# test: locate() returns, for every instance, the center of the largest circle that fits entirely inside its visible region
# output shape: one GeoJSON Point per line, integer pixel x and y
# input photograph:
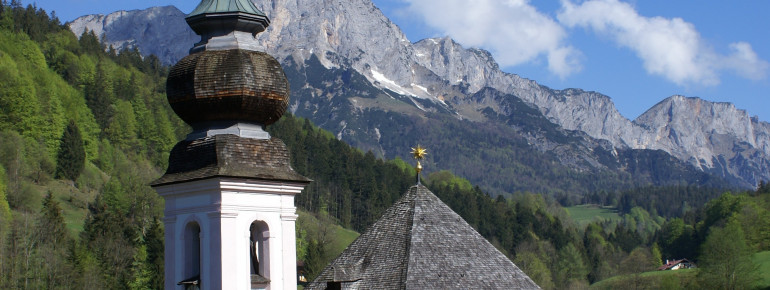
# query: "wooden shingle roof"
{"type": "Point", "coordinates": [420, 243]}
{"type": "Point", "coordinates": [222, 85]}
{"type": "Point", "coordinates": [229, 156]}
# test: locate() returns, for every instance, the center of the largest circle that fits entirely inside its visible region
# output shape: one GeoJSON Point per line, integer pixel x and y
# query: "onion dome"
{"type": "Point", "coordinates": [226, 86]}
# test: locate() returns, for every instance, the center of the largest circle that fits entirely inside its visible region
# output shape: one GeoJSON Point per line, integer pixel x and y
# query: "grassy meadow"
{"type": "Point", "coordinates": [586, 213]}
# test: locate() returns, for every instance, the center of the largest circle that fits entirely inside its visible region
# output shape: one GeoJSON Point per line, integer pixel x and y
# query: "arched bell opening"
{"type": "Point", "coordinates": [259, 252]}
{"type": "Point", "coordinates": [192, 256]}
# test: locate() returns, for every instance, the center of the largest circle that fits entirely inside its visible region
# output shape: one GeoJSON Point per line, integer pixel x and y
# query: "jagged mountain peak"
{"type": "Point", "coordinates": [346, 29]}
{"type": "Point", "coordinates": [448, 44]}
{"type": "Point", "coordinates": [456, 64]}
{"type": "Point", "coordinates": [708, 133]}
{"type": "Point", "coordinates": [709, 117]}
{"type": "Point", "coordinates": [355, 35]}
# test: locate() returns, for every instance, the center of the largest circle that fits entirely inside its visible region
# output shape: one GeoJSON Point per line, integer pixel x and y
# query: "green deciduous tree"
{"type": "Point", "coordinates": [14, 158]}
{"type": "Point", "coordinates": [19, 105]}
{"type": "Point", "coordinates": [40, 164]}
{"type": "Point", "coordinates": [755, 222]}
{"type": "Point", "coordinates": [725, 260]}
{"type": "Point", "coordinates": [18, 271]}
{"type": "Point", "coordinates": [638, 261]}
{"type": "Point", "coordinates": [677, 240]}
{"type": "Point", "coordinates": [536, 268]}
{"type": "Point", "coordinates": [657, 257]}
{"type": "Point", "coordinates": [122, 127]}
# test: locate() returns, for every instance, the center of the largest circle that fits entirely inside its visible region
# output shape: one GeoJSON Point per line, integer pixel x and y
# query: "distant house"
{"type": "Point", "coordinates": [676, 265]}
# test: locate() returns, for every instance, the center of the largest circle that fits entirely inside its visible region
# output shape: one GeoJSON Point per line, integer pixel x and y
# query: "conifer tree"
{"type": "Point", "coordinates": [100, 94]}
{"type": "Point", "coordinates": [51, 224]}
{"type": "Point", "coordinates": [764, 187]}
{"type": "Point", "coordinates": [51, 234]}
{"type": "Point", "coordinates": [154, 241]}
{"type": "Point", "coordinates": [72, 155]}
{"type": "Point", "coordinates": [110, 235]}
{"type": "Point", "coordinates": [571, 270]}
{"type": "Point", "coordinates": [89, 43]}
{"type": "Point", "coordinates": [314, 260]}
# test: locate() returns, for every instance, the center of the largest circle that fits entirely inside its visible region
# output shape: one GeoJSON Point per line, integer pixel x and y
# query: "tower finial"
{"type": "Point", "coordinates": [419, 153]}
{"type": "Point", "coordinates": [227, 24]}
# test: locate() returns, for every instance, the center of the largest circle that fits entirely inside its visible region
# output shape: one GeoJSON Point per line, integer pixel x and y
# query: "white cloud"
{"type": "Point", "coordinates": [513, 30]}
{"type": "Point", "coordinates": [671, 48]}
{"type": "Point", "coordinates": [745, 62]}
{"type": "Point", "coordinates": [564, 61]}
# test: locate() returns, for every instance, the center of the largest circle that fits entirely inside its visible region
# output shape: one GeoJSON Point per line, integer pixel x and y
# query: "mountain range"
{"type": "Point", "coordinates": [354, 73]}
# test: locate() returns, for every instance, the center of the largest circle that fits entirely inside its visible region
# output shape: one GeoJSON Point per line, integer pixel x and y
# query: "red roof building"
{"type": "Point", "coordinates": [676, 265]}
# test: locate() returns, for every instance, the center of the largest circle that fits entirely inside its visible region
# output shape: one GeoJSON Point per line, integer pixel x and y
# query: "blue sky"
{"type": "Point", "coordinates": [636, 52]}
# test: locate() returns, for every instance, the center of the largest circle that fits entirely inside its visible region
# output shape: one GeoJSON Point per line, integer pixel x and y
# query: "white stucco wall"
{"type": "Point", "coordinates": [225, 208]}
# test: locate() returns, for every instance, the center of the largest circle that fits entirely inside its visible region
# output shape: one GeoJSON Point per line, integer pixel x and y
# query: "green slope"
{"type": "Point", "coordinates": [763, 260]}
{"type": "Point", "coordinates": [588, 213]}
{"type": "Point", "coordinates": [680, 279]}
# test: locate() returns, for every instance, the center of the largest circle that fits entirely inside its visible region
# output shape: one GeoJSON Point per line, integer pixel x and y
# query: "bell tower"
{"type": "Point", "coordinates": [229, 187]}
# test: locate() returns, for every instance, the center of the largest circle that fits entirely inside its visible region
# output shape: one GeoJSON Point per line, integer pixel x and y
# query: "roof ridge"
{"type": "Point", "coordinates": [409, 197]}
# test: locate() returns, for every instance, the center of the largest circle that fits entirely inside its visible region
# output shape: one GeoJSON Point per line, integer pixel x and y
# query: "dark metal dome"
{"type": "Point", "coordinates": [228, 85]}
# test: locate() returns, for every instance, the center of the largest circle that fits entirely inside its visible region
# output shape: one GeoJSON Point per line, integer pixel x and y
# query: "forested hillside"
{"type": "Point", "coordinates": [82, 133]}
{"type": "Point", "coordinates": [84, 130]}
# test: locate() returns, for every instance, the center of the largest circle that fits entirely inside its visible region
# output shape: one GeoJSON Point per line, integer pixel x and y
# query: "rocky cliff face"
{"type": "Point", "coordinates": [715, 137]}
{"type": "Point", "coordinates": [161, 31]}
{"type": "Point", "coordinates": [337, 32]}
{"type": "Point", "coordinates": [355, 35]}
{"type": "Point", "coordinates": [712, 136]}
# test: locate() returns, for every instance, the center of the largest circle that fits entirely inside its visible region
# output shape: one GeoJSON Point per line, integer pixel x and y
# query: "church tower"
{"type": "Point", "coordinates": [229, 187]}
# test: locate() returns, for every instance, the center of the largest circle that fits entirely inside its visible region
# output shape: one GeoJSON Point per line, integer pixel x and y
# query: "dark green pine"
{"type": "Point", "coordinates": [70, 161]}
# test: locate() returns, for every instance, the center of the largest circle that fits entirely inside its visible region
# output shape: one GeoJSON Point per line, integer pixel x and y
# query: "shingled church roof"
{"type": "Point", "coordinates": [420, 243]}
{"type": "Point", "coordinates": [228, 155]}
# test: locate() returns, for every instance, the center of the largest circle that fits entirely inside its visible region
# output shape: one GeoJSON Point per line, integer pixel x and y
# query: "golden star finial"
{"type": "Point", "coordinates": [419, 152]}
